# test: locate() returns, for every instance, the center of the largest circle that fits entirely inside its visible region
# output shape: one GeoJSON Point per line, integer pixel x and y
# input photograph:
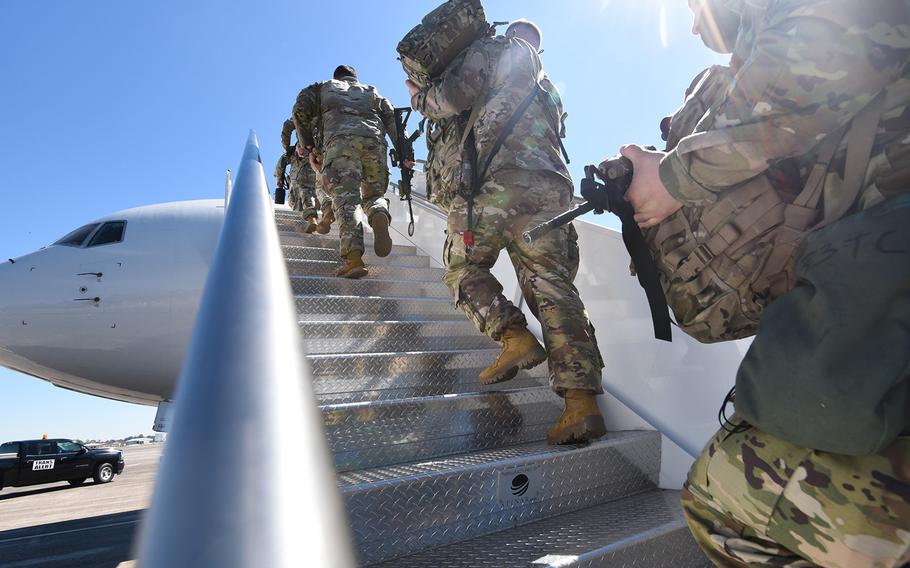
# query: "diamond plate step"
{"type": "Point", "coordinates": [314, 239]}
{"type": "Point", "coordinates": [391, 336]}
{"type": "Point", "coordinates": [399, 510]}
{"type": "Point", "coordinates": [358, 377]}
{"type": "Point", "coordinates": [374, 308]}
{"type": "Point", "coordinates": [331, 254]}
{"type": "Point", "coordinates": [333, 286]}
{"type": "Point", "coordinates": [328, 241]}
{"type": "Point", "coordinates": [643, 531]}
{"type": "Point", "coordinates": [371, 434]}
{"type": "Point", "coordinates": [380, 271]}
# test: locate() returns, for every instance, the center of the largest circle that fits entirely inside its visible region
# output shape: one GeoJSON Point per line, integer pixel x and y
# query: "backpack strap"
{"type": "Point", "coordinates": [860, 139]}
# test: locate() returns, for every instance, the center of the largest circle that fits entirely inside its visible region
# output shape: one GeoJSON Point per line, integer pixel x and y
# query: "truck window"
{"type": "Point", "coordinates": [9, 449]}
{"type": "Point", "coordinates": [42, 448]}
{"type": "Point", "coordinates": [64, 447]}
{"type": "Point", "coordinates": [110, 232]}
{"type": "Point", "coordinates": [77, 237]}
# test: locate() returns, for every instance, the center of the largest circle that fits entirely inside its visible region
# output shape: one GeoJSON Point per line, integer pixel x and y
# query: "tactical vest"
{"type": "Point", "coordinates": [444, 154]}
{"type": "Point", "coordinates": [722, 263]}
{"type": "Point", "coordinates": [349, 108]}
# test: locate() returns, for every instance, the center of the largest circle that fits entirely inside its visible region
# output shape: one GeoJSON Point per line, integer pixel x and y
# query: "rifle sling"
{"type": "Point", "coordinates": [646, 271]}
{"type": "Point", "coordinates": [536, 90]}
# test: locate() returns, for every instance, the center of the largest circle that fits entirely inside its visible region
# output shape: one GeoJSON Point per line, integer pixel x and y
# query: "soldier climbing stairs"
{"type": "Point", "coordinates": [437, 470]}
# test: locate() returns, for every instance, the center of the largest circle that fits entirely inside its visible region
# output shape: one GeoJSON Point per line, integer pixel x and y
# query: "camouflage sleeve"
{"type": "Point", "coordinates": [458, 87]}
{"type": "Point", "coordinates": [280, 167]}
{"type": "Point", "coordinates": [286, 130]}
{"type": "Point", "coordinates": [813, 67]}
{"type": "Point", "coordinates": [305, 109]}
{"type": "Point", "coordinates": [387, 115]}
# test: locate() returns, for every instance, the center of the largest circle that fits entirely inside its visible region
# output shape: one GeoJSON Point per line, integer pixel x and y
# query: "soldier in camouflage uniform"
{"type": "Point", "coordinates": [800, 70]}
{"type": "Point", "coordinates": [354, 120]}
{"type": "Point", "coordinates": [526, 183]}
{"type": "Point", "coordinates": [306, 193]}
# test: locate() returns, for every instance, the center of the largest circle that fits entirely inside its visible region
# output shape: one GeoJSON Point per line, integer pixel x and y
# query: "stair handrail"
{"type": "Point", "coordinates": [246, 477]}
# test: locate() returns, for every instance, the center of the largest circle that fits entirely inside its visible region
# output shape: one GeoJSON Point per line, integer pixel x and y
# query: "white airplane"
{"type": "Point", "coordinates": [109, 308]}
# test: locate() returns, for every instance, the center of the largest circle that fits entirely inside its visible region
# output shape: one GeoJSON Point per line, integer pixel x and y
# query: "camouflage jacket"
{"type": "Point", "coordinates": [286, 129]}
{"type": "Point", "coordinates": [493, 77]}
{"type": "Point", "coordinates": [341, 109]}
{"type": "Point", "coordinates": [800, 70]}
{"type": "Point", "coordinates": [301, 173]}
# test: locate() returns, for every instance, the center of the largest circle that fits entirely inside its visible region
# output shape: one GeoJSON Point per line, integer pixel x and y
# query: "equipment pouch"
{"type": "Point", "coordinates": [830, 368]}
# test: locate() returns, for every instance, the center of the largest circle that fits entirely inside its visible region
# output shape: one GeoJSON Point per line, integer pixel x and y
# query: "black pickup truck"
{"type": "Point", "coordinates": [31, 462]}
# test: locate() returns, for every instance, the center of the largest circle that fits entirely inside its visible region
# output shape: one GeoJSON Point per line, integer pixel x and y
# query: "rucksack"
{"type": "Point", "coordinates": [830, 369]}
{"type": "Point", "coordinates": [431, 45]}
{"type": "Point", "coordinates": [721, 264]}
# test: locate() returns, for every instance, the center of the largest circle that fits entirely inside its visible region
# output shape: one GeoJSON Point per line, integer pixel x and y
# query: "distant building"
{"type": "Point", "coordinates": [138, 441]}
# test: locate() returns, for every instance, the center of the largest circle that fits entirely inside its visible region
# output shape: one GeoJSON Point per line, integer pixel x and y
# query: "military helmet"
{"type": "Point", "coordinates": [344, 71]}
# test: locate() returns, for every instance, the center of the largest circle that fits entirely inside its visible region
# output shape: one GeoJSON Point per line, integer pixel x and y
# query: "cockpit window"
{"type": "Point", "coordinates": [77, 237]}
{"type": "Point", "coordinates": [110, 232]}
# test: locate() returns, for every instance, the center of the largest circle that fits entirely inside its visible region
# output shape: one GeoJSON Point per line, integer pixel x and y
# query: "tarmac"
{"type": "Point", "coordinates": [92, 526]}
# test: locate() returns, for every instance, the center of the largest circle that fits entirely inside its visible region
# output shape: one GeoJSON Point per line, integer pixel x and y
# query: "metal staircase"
{"type": "Point", "coordinates": [436, 470]}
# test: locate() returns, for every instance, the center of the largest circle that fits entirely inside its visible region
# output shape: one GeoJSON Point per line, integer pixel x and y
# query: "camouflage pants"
{"type": "Point", "coordinates": [545, 270]}
{"type": "Point", "coordinates": [302, 198]}
{"type": "Point", "coordinates": [755, 500]}
{"type": "Point", "coordinates": [355, 174]}
{"type": "Point", "coordinates": [317, 201]}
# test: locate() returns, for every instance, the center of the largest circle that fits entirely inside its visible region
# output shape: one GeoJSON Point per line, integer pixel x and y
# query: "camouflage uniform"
{"type": "Point", "coordinates": [302, 181]}
{"type": "Point", "coordinates": [353, 120]}
{"type": "Point", "coordinates": [527, 182]}
{"type": "Point", "coordinates": [756, 500]}
{"type": "Point", "coordinates": [800, 70]}
{"type": "Point", "coordinates": [309, 195]}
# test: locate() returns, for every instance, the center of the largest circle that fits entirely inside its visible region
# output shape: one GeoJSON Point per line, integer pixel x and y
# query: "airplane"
{"type": "Point", "coordinates": [108, 308]}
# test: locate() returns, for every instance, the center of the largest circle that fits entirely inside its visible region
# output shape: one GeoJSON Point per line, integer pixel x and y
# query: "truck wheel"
{"type": "Point", "coordinates": [104, 473]}
{"type": "Point", "coordinates": [76, 482]}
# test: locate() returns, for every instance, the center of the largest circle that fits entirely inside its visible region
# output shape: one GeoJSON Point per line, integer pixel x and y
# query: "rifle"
{"type": "Point", "coordinates": [608, 194]}
{"type": "Point", "coordinates": [403, 151]}
{"type": "Point", "coordinates": [280, 192]}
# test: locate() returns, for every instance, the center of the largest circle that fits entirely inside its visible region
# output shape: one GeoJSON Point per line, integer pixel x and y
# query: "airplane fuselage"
{"type": "Point", "coordinates": [114, 318]}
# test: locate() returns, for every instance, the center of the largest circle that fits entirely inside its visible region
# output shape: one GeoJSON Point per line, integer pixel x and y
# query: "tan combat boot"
{"type": "Point", "coordinates": [328, 217]}
{"type": "Point", "coordinates": [353, 266]}
{"type": "Point", "coordinates": [581, 421]}
{"type": "Point", "coordinates": [520, 350]}
{"type": "Point", "coordinates": [382, 241]}
{"type": "Point", "coordinates": [311, 225]}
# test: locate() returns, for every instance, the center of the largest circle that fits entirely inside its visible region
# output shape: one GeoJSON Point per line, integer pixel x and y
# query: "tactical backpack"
{"type": "Point", "coordinates": [720, 264]}
{"type": "Point", "coordinates": [431, 45]}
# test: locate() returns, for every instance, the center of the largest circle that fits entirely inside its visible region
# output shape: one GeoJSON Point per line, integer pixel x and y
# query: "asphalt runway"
{"type": "Point", "coordinates": [92, 526]}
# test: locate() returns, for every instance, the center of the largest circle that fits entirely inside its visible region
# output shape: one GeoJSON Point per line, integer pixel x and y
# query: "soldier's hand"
{"type": "Point", "coordinates": [647, 194]}
{"type": "Point", "coordinates": [409, 164]}
{"type": "Point", "coordinates": [413, 88]}
{"type": "Point", "coordinates": [301, 151]}
{"type": "Point", "coordinates": [314, 163]}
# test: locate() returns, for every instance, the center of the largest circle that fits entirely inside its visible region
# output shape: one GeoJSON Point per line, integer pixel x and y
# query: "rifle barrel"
{"type": "Point", "coordinates": [540, 230]}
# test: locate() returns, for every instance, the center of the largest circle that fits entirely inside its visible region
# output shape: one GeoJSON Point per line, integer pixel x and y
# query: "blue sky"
{"type": "Point", "coordinates": [109, 104]}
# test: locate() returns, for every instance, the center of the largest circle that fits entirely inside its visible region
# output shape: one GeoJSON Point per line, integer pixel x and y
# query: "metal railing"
{"type": "Point", "coordinates": [246, 478]}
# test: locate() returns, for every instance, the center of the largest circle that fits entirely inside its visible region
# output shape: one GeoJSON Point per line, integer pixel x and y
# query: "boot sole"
{"type": "Point", "coordinates": [382, 245]}
{"type": "Point", "coordinates": [510, 373]}
{"type": "Point", "coordinates": [323, 229]}
{"type": "Point", "coordinates": [587, 429]}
